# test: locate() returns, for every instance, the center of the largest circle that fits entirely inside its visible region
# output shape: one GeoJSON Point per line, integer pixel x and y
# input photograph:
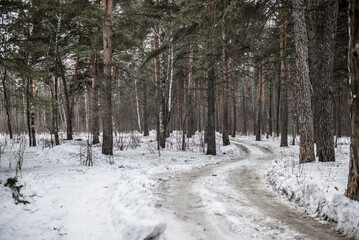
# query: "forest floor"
{"type": "Point", "coordinates": [242, 193]}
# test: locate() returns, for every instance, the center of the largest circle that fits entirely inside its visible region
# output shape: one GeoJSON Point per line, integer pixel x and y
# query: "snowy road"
{"type": "Point", "coordinates": [232, 201]}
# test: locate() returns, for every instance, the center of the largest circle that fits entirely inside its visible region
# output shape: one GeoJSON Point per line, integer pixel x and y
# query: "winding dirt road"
{"type": "Point", "coordinates": [232, 201]}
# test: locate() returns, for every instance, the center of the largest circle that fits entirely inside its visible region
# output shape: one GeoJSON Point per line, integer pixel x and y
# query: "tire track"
{"type": "Point", "coordinates": [232, 201]}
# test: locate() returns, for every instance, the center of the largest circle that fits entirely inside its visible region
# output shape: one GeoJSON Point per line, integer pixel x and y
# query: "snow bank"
{"type": "Point", "coordinates": [318, 187]}
{"type": "Point", "coordinates": [72, 201]}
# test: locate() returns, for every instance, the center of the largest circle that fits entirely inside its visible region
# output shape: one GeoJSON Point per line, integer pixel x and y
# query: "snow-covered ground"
{"type": "Point", "coordinates": [128, 199]}
{"type": "Point", "coordinates": [317, 187]}
{"type": "Point", "coordinates": [72, 201]}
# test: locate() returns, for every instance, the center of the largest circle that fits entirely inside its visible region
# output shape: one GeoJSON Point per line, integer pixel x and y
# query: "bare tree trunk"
{"type": "Point", "coordinates": [74, 89]}
{"type": "Point", "coordinates": [313, 54]}
{"type": "Point", "coordinates": [325, 138]}
{"type": "Point", "coordinates": [157, 82]}
{"type": "Point", "coordinates": [234, 99]}
{"type": "Point", "coordinates": [225, 135]}
{"type": "Point", "coordinates": [171, 74]}
{"type": "Point", "coordinates": [259, 107]}
{"type": "Point", "coordinates": [353, 63]}
{"type": "Point", "coordinates": [32, 112]}
{"type": "Point", "coordinates": [306, 153]}
{"type": "Point", "coordinates": [67, 100]}
{"type": "Point", "coordinates": [162, 93]}
{"type": "Point", "coordinates": [191, 128]}
{"type": "Point", "coordinates": [95, 122]}
{"type": "Point", "coordinates": [145, 107]}
{"type": "Point", "coordinates": [138, 114]}
{"type": "Point", "coordinates": [284, 82]}
{"type": "Point", "coordinates": [211, 101]}
{"type": "Point", "coordinates": [7, 105]}
{"type": "Point", "coordinates": [294, 115]}
{"type": "Point", "coordinates": [339, 122]}
{"type": "Point", "coordinates": [28, 110]}
{"type": "Point", "coordinates": [55, 107]}
{"type": "Point", "coordinates": [107, 143]}
{"type": "Point", "coordinates": [277, 110]}
{"type": "Point", "coordinates": [270, 127]}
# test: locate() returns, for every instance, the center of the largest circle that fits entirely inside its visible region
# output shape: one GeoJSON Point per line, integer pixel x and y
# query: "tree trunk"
{"type": "Point", "coordinates": [28, 111]}
{"type": "Point", "coordinates": [55, 107]}
{"type": "Point", "coordinates": [284, 83]}
{"type": "Point", "coordinates": [144, 102]}
{"type": "Point", "coordinates": [259, 107]}
{"type": "Point", "coordinates": [225, 134]}
{"type": "Point", "coordinates": [171, 74]}
{"type": "Point", "coordinates": [138, 114]}
{"type": "Point", "coordinates": [157, 82]}
{"type": "Point", "coordinates": [107, 142]}
{"type": "Point", "coordinates": [162, 93]}
{"type": "Point", "coordinates": [234, 102]}
{"type": "Point", "coordinates": [277, 110]}
{"type": "Point", "coordinates": [325, 138]}
{"type": "Point", "coordinates": [353, 57]}
{"type": "Point", "coordinates": [7, 105]}
{"type": "Point", "coordinates": [294, 115]}
{"type": "Point", "coordinates": [191, 127]}
{"type": "Point", "coordinates": [313, 54]}
{"type": "Point", "coordinates": [306, 153]}
{"type": "Point", "coordinates": [244, 111]}
{"type": "Point", "coordinates": [67, 100]}
{"type": "Point", "coordinates": [211, 101]}
{"type": "Point", "coordinates": [32, 113]}
{"type": "Point", "coordinates": [95, 123]}
{"type": "Point", "coordinates": [270, 116]}
{"type": "Point", "coordinates": [339, 122]}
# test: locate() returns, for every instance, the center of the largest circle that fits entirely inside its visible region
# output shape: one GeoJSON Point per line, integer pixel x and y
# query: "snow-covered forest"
{"type": "Point", "coordinates": [169, 120]}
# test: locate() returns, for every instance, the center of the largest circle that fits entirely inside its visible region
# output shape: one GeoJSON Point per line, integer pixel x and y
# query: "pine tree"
{"type": "Point", "coordinates": [353, 55]}
{"type": "Point", "coordinates": [306, 153]}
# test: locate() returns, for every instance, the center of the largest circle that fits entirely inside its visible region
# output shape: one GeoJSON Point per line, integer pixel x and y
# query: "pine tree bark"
{"type": "Point", "coordinates": [55, 104]}
{"type": "Point", "coordinates": [324, 106]}
{"type": "Point", "coordinates": [107, 142]}
{"type": "Point", "coordinates": [191, 128]}
{"type": "Point", "coordinates": [95, 122]}
{"type": "Point", "coordinates": [162, 93]}
{"type": "Point", "coordinates": [313, 54]}
{"type": "Point", "coordinates": [144, 102]}
{"type": "Point", "coordinates": [259, 105]}
{"type": "Point", "coordinates": [277, 110]}
{"type": "Point", "coordinates": [294, 114]}
{"type": "Point", "coordinates": [32, 113]}
{"type": "Point", "coordinates": [7, 105]}
{"type": "Point", "coordinates": [353, 64]}
{"type": "Point", "coordinates": [55, 107]}
{"type": "Point", "coordinates": [270, 114]}
{"type": "Point", "coordinates": [306, 153]}
{"type": "Point", "coordinates": [284, 82]}
{"type": "Point", "coordinates": [225, 109]}
{"type": "Point", "coordinates": [28, 110]}
{"type": "Point", "coordinates": [211, 101]}
{"type": "Point", "coordinates": [234, 101]}
{"type": "Point", "coordinates": [244, 111]}
{"type": "Point", "coordinates": [211, 85]}
{"type": "Point", "coordinates": [157, 82]}
{"type": "Point", "coordinates": [68, 111]}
